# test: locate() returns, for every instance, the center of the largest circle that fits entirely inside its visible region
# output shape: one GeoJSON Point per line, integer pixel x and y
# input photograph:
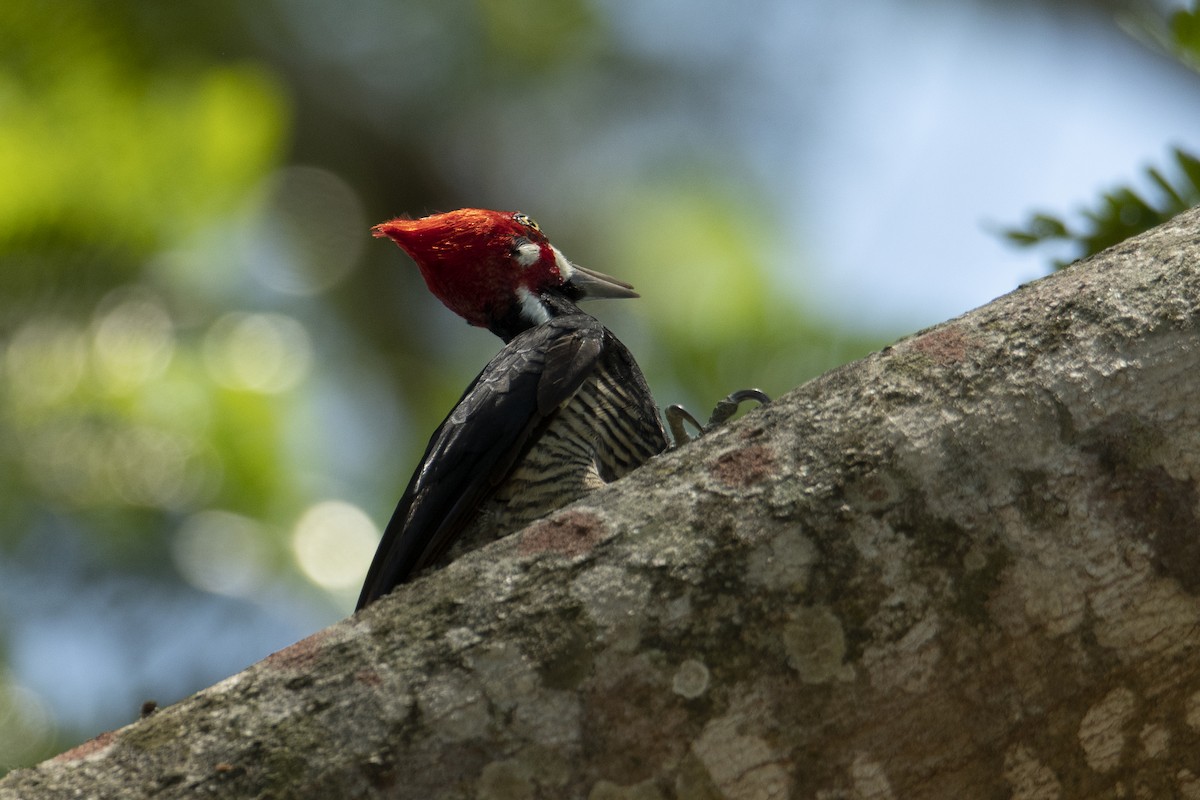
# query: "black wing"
{"type": "Point", "coordinates": [478, 444]}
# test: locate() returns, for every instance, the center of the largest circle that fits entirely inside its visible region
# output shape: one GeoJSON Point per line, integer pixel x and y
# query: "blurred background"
{"type": "Point", "coordinates": [214, 384]}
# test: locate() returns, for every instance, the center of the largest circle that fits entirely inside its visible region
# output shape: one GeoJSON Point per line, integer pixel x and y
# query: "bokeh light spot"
{"type": "Point", "coordinates": [313, 234]}
{"type": "Point", "coordinates": [151, 466]}
{"type": "Point", "coordinates": [133, 338]}
{"type": "Point", "coordinates": [267, 353]}
{"type": "Point", "coordinates": [90, 464]}
{"type": "Point", "coordinates": [333, 542]}
{"type": "Point", "coordinates": [26, 723]}
{"type": "Point", "coordinates": [63, 459]}
{"type": "Point", "coordinates": [45, 361]}
{"type": "Point", "coordinates": [222, 552]}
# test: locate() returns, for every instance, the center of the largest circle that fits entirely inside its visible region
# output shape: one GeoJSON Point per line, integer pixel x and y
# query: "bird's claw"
{"type": "Point", "coordinates": [677, 415]}
{"type": "Point", "coordinates": [729, 406]}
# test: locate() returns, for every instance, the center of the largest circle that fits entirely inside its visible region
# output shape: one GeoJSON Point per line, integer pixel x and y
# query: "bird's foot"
{"type": "Point", "coordinates": [677, 416]}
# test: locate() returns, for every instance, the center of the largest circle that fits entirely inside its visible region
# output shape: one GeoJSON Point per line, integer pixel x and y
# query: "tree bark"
{"type": "Point", "coordinates": [965, 566]}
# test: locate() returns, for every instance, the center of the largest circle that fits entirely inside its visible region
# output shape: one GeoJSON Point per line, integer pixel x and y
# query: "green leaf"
{"type": "Point", "coordinates": [1122, 212]}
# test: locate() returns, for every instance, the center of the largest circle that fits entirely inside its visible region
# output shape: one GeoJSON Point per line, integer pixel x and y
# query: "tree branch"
{"type": "Point", "coordinates": [965, 566]}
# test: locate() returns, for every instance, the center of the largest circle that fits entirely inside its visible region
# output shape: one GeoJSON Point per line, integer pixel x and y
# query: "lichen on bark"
{"type": "Point", "coordinates": [963, 566]}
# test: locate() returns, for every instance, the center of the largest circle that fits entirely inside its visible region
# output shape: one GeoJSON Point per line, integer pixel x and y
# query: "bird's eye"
{"type": "Point", "coordinates": [524, 219]}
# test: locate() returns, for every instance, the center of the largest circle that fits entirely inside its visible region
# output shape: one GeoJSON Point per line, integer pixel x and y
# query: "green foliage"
{"type": "Point", "coordinates": [1124, 211]}
{"type": "Point", "coordinates": [107, 399]}
{"type": "Point", "coordinates": [537, 34]}
{"type": "Point", "coordinates": [719, 321]}
{"type": "Point", "coordinates": [1183, 36]}
{"type": "Point", "coordinates": [100, 151]}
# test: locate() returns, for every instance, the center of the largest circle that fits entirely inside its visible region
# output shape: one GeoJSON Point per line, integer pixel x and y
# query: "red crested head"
{"type": "Point", "coordinates": [488, 266]}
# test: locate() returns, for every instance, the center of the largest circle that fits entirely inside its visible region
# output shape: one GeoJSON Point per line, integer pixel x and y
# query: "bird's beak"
{"type": "Point", "coordinates": [592, 284]}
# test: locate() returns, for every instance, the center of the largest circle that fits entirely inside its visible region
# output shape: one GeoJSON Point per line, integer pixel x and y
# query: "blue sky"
{"type": "Point", "coordinates": [897, 137]}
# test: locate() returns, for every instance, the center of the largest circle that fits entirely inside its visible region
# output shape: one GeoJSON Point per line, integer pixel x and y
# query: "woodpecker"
{"type": "Point", "coordinates": [562, 410]}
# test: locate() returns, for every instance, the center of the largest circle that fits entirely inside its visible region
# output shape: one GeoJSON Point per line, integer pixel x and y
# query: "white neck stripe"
{"type": "Point", "coordinates": [533, 310]}
{"type": "Point", "coordinates": [565, 267]}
